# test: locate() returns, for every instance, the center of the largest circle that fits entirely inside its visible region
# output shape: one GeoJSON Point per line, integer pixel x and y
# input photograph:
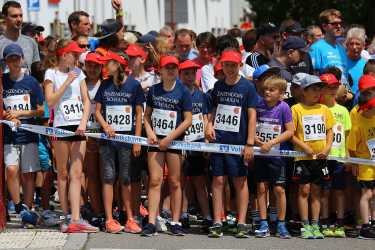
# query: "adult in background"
{"type": "Point", "coordinates": [267, 35]}
{"type": "Point", "coordinates": [79, 24]}
{"type": "Point", "coordinates": [355, 43]}
{"type": "Point", "coordinates": [290, 27]}
{"type": "Point", "coordinates": [184, 45]}
{"type": "Point", "coordinates": [12, 12]}
{"type": "Point", "coordinates": [327, 51]}
{"type": "Point", "coordinates": [313, 33]}
{"type": "Point", "coordinates": [168, 33]}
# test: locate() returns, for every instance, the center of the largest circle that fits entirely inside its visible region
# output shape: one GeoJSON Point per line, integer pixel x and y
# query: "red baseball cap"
{"type": "Point", "coordinates": [231, 56]}
{"type": "Point", "coordinates": [136, 50]}
{"type": "Point", "coordinates": [165, 60]}
{"type": "Point", "coordinates": [94, 57]}
{"type": "Point", "coordinates": [71, 47]}
{"type": "Point", "coordinates": [366, 82]}
{"type": "Point", "coordinates": [218, 67]}
{"type": "Point", "coordinates": [368, 105]}
{"type": "Point", "coordinates": [329, 79]}
{"type": "Point", "coordinates": [188, 64]}
{"type": "Point", "coordinates": [114, 56]}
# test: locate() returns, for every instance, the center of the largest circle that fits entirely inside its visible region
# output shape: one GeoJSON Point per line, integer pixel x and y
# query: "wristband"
{"type": "Point", "coordinates": [120, 13]}
{"type": "Point", "coordinates": [249, 145]}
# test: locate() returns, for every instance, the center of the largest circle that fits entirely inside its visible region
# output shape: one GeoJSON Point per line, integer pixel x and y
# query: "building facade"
{"type": "Point", "coordinates": [140, 15]}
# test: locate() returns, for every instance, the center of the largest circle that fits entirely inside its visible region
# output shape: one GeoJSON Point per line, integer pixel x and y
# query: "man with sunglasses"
{"type": "Point", "coordinates": [327, 51]}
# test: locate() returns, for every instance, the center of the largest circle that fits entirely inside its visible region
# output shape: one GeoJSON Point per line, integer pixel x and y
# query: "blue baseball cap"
{"type": "Point", "coordinates": [310, 80]}
{"type": "Point", "coordinates": [12, 49]}
{"type": "Point", "coordinates": [263, 69]}
{"type": "Point", "coordinates": [293, 42]}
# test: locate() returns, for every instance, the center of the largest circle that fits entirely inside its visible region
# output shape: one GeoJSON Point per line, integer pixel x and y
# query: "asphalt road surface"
{"type": "Point", "coordinates": [195, 241]}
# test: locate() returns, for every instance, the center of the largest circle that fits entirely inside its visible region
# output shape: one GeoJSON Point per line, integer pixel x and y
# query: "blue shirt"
{"type": "Point", "coordinates": [243, 95]}
{"type": "Point", "coordinates": [199, 101]}
{"type": "Point", "coordinates": [355, 71]}
{"type": "Point", "coordinates": [178, 99]}
{"type": "Point", "coordinates": [324, 55]}
{"type": "Point", "coordinates": [129, 93]}
{"type": "Point", "coordinates": [28, 85]}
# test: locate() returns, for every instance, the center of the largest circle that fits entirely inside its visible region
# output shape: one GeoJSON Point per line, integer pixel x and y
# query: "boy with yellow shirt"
{"type": "Point", "coordinates": [313, 135]}
{"type": "Point", "coordinates": [366, 86]}
{"type": "Point", "coordinates": [336, 169]}
{"type": "Point", "coordinates": [361, 144]}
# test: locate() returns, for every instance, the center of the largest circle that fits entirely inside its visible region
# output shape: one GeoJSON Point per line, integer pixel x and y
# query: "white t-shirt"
{"type": "Point", "coordinates": [148, 79]}
{"type": "Point", "coordinates": [68, 110]}
{"type": "Point", "coordinates": [208, 79]}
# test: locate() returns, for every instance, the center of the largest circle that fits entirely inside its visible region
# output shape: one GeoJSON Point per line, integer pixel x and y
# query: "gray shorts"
{"type": "Point", "coordinates": [25, 156]}
{"type": "Point", "coordinates": [116, 162]}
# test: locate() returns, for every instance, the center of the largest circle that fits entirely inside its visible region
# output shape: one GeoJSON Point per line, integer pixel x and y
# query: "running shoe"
{"type": "Point", "coordinates": [65, 223]}
{"type": "Point", "coordinates": [306, 232]}
{"type": "Point", "coordinates": [81, 226]}
{"type": "Point", "coordinates": [316, 232]}
{"type": "Point", "coordinates": [263, 231]}
{"type": "Point", "coordinates": [216, 231]}
{"type": "Point", "coordinates": [11, 207]}
{"type": "Point", "coordinates": [161, 224]}
{"type": "Point", "coordinates": [149, 230]}
{"type": "Point", "coordinates": [340, 232]}
{"type": "Point", "coordinates": [29, 219]}
{"type": "Point", "coordinates": [50, 218]}
{"type": "Point", "coordinates": [143, 211]}
{"type": "Point", "coordinates": [242, 231]}
{"type": "Point", "coordinates": [328, 231]}
{"type": "Point", "coordinates": [176, 229]}
{"type": "Point", "coordinates": [113, 227]}
{"type": "Point", "coordinates": [132, 226]}
{"type": "Point", "coordinates": [367, 233]}
{"type": "Point", "coordinates": [282, 231]}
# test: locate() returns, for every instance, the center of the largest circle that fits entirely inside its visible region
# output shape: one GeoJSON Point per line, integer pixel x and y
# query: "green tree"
{"type": "Point", "coordinates": [307, 11]}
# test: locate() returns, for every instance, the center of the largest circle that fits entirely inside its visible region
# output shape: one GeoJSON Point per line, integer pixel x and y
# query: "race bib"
{"type": "Point", "coordinates": [17, 102]}
{"type": "Point", "coordinates": [266, 132]}
{"type": "Point", "coordinates": [163, 121]}
{"type": "Point", "coordinates": [72, 109]}
{"type": "Point", "coordinates": [196, 130]}
{"type": "Point", "coordinates": [338, 135]}
{"type": "Point", "coordinates": [227, 118]}
{"type": "Point", "coordinates": [119, 117]}
{"type": "Point", "coordinates": [313, 127]}
{"type": "Point", "coordinates": [92, 123]}
{"type": "Point", "coordinates": [371, 147]}
{"type": "Point", "coordinates": [288, 92]}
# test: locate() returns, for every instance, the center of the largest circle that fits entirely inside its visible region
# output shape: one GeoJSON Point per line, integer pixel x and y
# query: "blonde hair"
{"type": "Point", "coordinates": [276, 81]}
{"type": "Point", "coordinates": [326, 15]}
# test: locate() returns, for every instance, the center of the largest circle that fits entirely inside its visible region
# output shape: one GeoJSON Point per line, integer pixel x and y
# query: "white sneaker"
{"type": "Point", "coordinates": [161, 224]}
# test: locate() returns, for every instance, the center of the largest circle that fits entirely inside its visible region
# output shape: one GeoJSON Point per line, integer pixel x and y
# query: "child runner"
{"type": "Point", "coordinates": [167, 117]}
{"type": "Point", "coordinates": [313, 135]}
{"type": "Point", "coordinates": [66, 92]}
{"type": "Point", "coordinates": [232, 121]}
{"type": "Point", "coordinates": [93, 69]}
{"type": "Point", "coordinates": [336, 169]}
{"type": "Point", "coordinates": [274, 128]}
{"type": "Point", "coordinates": [23, 102]}
{"type": "Point", "coordinates": [119, 104]}
{"type": "Point", "coordinates": [196, 164]}
{"type": "Point", "coordinates": [361, 143]}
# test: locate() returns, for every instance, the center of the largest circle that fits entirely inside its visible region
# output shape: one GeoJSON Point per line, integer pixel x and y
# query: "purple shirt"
{"type": "Point", "coordinates": [280, 114]}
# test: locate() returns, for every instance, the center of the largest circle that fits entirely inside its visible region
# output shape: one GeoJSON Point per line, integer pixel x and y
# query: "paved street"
{"type": "Point", "coordinates": [194, 241]}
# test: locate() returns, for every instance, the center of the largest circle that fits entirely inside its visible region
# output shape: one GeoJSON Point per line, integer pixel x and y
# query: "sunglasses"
{"type": "Point", "coordinates": [336, 23]}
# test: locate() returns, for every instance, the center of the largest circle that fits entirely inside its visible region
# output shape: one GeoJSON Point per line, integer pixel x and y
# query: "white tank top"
{"type": "Point", "coordinates": [92, 89]}
{"type": "Point", "coordinates": [69, 109]}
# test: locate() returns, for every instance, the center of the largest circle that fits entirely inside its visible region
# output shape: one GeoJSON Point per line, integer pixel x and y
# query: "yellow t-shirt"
{"type": "Point", "coordinates": [361, 141]}
{"type": "Point", "coordinates": [354, 114]}
{"type": "Point", "coordinates": [311, 124]}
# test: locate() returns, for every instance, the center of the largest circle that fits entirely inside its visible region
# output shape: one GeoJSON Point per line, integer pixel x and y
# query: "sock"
{"type": "Point", "coordinates": [372, 222]}
{"type": "Point", "coordinates": [340, 222]}
{"type": "Point", "coordinates": [314, 222]}
{"type": "Point", "coordinates": [255, 216]}
{"type": "Point", "coordinates": [305, 222]}
{"type": "Point", "coordinates": [19, 207]}
{"type": "Point", "coordinates": [324, 222]}
{"type": "Point", "coordinates": [280, 222]}
{"type": "Point", "coordinates": [273, 214]}
{"type": "Point", "coordinates": [175, 223]}
{"type": "Point", "coordinates": [208, 217]}
{"type": "Point", "coordinates": [38, 191]}
{"type": "Point", "coordinates": [264, 222]}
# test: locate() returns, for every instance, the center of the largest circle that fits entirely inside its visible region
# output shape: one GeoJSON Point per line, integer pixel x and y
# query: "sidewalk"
{"type": "Point", "coordinates": [41, 238]}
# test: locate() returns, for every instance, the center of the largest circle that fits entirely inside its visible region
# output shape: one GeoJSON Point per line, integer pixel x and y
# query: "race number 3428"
{"type": "Point", "coordinates": [228, 118]}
